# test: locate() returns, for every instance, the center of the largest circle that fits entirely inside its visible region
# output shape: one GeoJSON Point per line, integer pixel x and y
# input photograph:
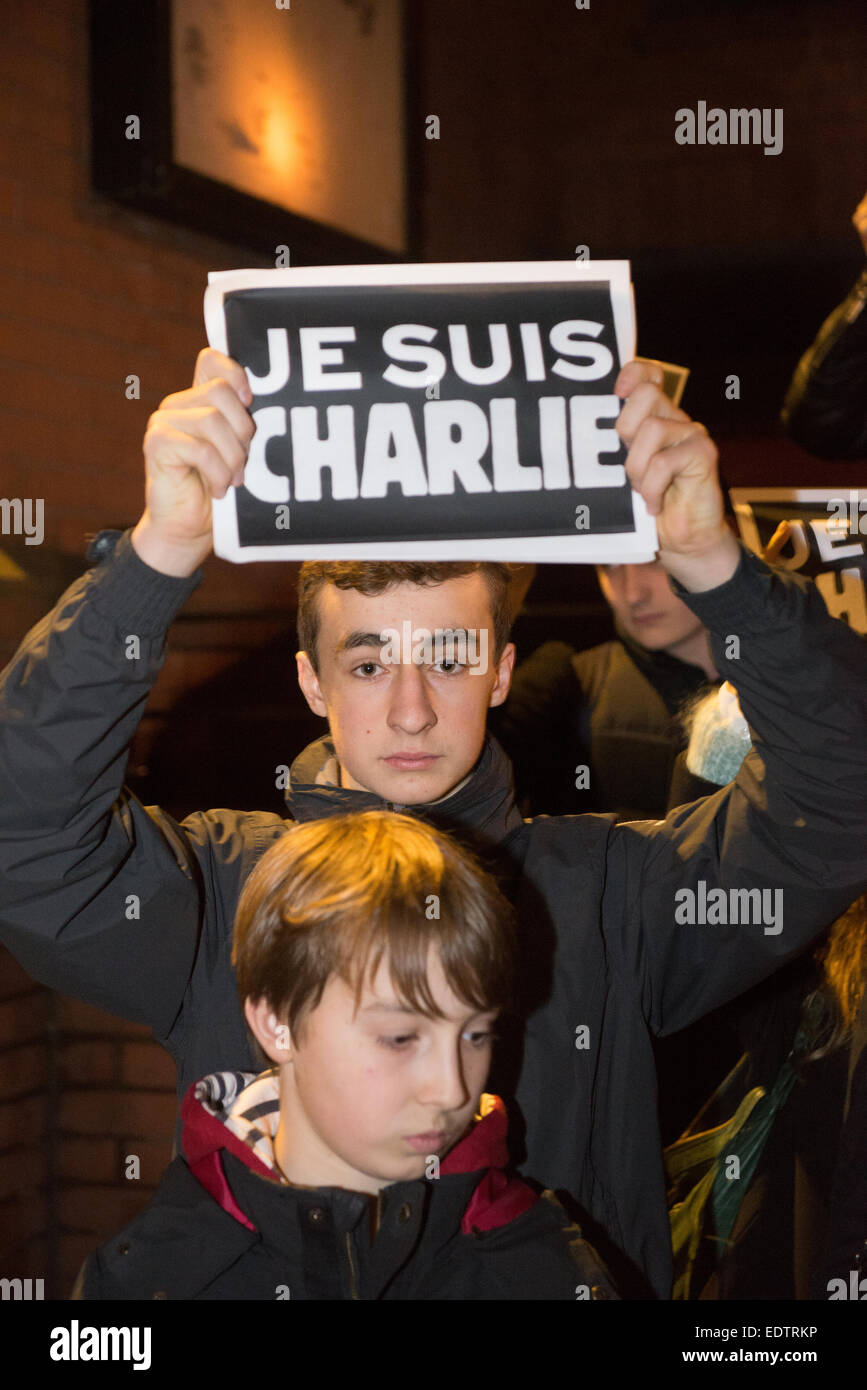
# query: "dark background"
{"type": "Point", "coordinates": [556, 130]}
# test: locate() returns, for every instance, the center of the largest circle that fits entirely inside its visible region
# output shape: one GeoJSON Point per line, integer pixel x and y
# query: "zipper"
{"type": "Point", "coordinates": [377, 1214]}
{"type": "Point", "coordinates": [353, 1283]}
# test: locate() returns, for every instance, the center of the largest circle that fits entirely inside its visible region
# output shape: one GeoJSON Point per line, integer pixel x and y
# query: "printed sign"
{"type": "Point", "coordinates": [827, 539]}
{"type": "Point", "coordinates": [431, 412]}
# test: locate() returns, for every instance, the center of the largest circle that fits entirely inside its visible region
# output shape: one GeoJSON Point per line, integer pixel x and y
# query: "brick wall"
{"type": "Point", "coordinates": [89, 295]}
{"type": "Point", "coordinates": [116, 1092]}
{"type": "Point", "coordinates": [557, 129]}
{"type": "Point", "coordinates": [25, 1088]}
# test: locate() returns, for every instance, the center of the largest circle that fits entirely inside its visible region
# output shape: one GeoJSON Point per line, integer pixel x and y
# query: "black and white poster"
{"type": "Point", "coordinates": [827, 539]}
{"type": "Point", "coordinates": [431, 412]}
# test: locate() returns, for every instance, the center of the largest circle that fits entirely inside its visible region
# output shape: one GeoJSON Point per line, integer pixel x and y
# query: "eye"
{"type": "Point", "coordinates": [480, 1037]}
{"type": "Point", "coordinates": [455, 668]}
{"type": "Point", "coordinates": [398, 1043]}
{"type": "Point", "coordinates": [366, 669]}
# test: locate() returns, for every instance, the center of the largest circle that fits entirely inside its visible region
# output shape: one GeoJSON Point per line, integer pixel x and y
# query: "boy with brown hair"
{"type": "Point", "coordinates": [373, 956]}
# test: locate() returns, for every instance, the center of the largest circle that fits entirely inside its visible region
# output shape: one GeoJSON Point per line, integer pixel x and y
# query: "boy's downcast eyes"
{"type": "Point", "coordinates": [400, 1042]}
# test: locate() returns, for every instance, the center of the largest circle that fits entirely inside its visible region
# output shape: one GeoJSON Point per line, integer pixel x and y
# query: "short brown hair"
{"type": "Point", "coordinates": [375, 576]}
{"type": "Point", "coordinates": [336, 896]}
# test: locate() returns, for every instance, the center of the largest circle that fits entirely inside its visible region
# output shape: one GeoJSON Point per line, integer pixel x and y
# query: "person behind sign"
{"type": "Point", "coordinates": [600, 729]}
{"type": "Point", "coordinates": [373, 956]}
{"type": "Point", "coordinates": [608, 955]}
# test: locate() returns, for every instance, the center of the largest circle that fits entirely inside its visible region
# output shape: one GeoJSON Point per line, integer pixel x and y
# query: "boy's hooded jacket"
{"type": "Point", "coordinates": [622, 929]}
{"type": "Point", "coordinates": [224, 1224]}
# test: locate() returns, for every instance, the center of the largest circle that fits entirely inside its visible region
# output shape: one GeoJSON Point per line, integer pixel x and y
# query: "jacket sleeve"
{"type": "Point", "coordinates": [722, 892]}
{"type": "Point", "coordinates": [99, 897]}
{"type": "Point", "coordinates": [825, 409]}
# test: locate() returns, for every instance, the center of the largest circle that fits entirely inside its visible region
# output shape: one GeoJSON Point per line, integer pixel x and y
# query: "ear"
{"type": "Point", "coordinates": [501, 685]}
{"type": "Point", "coordinates": [309, 682]}
{"type": "Point", "coordinates": [272, 1036]}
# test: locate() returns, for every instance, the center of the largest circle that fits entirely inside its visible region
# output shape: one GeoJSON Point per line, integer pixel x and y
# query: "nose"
{"type": "Point", "coordinates": [444, 1084]}
{"type": "Point", "coordinates": [410, 708]}
{"type": "Point", "coordinates": [635, 585]}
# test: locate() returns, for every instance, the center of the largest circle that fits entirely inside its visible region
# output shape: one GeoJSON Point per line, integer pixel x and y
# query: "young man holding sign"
{"type": "Point", "coordinates": [607, 954]}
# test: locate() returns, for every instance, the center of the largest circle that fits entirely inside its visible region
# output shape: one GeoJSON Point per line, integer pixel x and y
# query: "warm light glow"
{"type": "Point", "coordinates": [303, 111]}
{"type": "Point", "coordinates": [281, 154]}
{"type": "Point", "coordinates": [9, 569]}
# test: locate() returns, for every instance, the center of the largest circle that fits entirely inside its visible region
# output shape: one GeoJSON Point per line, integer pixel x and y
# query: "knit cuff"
{"type": "Point", "coordinates": [136, 597]}
{"type": "Point", "coordinates": [742, 599]}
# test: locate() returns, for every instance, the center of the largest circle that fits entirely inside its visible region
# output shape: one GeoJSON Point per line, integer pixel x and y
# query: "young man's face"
{"type": "Point", "coordinates": [409, 731]}
{"type": "Point", "coordinates": [368, 1095]}
{"type": "Point", "coordinates": [645, 606]}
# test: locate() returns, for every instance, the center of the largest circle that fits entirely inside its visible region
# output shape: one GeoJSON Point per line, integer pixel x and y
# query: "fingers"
{"type": "Point", "coordinates": [634, 374]}
{"type": "Point", "coordinates": [645, 401]}
{"type": "Point", "coordinates": [206, 428]}
{"type": "Point", "coordinates": [212, 365]}
{"type": "Point", "coordinates": [183, 452]}
{"type": "Point", "coordinates": [221, 396]}
{"type": "Point", "coordinates": [196, 439]}
{"type": "Point", "coordinates": [659, 458]}
{"type": "Point", "coordinates": [663, 441]}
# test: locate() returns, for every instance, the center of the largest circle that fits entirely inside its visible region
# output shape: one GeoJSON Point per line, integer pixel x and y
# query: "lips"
{"type": "Point", "coordinates": [427, 1143]}
{"type": "Point", "coordinates": [412, 762]}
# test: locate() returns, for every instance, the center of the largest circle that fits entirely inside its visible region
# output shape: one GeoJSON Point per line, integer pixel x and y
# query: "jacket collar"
{"type": "Point", "coordinates": [236, 1114]}
{"type": "Point", "coordinates": [484, 804]}
{"type": "Point", "coordinates": [674, 680]}
{"type": "Point", "coordinates": [240, 1111]}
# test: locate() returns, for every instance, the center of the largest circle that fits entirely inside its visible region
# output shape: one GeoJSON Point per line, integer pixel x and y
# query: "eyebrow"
{"type": "Point", "coordinates": [360, 639]}
{"type": "Point", "coordinates": [396, 1008]}
{"type": "Point", "coordinates": [374, 639]}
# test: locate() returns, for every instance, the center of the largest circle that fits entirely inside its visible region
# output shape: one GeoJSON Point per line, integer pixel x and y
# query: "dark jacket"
{"type": "Point", "coordinates": [825, 409]}
{"type": "Point", "coordinates": [612, 709]}
{"type": "Point", "coordinates": [117, 903]}
{"type": "Point", "coordinates": [470, 1233]}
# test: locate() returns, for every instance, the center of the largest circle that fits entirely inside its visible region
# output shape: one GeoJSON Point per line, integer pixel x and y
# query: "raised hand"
{"type": "Point", "coordinates": [195, 449]}
{"type": "Point", "coordinates": [672, 463]}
